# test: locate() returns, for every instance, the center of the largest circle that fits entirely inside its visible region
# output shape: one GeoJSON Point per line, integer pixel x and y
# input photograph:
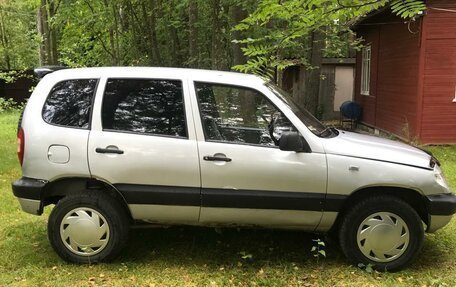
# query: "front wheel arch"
{"type": "Point", "coordinates": [412, 197]}
{"type": "Point", "coordinates": [363, 244]}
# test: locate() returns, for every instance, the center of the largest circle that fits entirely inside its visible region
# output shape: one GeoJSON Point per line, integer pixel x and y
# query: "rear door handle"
{"type": "Point", "coordinates": [217, 157]}
{"type": "Point", "coordinates": [109, 149]}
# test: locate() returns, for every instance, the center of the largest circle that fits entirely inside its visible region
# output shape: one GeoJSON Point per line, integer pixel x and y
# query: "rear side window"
{"type": "Point", "coordinates": [70, 102]}
{"type": "Point", "coordinates": [150, 106]}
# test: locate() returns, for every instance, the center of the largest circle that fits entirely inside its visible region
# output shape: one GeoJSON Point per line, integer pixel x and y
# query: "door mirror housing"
{"type": "Point", "coordinates": [293, 141]}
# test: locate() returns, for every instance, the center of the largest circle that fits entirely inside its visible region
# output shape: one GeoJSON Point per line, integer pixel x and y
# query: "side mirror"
{"type": "Point", "coordinates": [293, 141]}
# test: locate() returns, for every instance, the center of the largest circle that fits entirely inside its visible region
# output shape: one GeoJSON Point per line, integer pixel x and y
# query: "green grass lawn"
{"type": "Point", "coordinates": [189, 256]}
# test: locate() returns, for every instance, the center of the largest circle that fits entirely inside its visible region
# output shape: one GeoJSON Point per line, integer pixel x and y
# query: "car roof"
{"type": "Point", "coordinates": [160, 72]}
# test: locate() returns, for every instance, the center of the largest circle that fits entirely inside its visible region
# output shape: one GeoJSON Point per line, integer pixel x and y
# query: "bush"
{"type": "Point", "coordinates": [8, 105]}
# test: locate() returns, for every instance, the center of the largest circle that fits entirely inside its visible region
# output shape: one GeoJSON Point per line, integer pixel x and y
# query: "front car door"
{"type": "Point", "coordinates": [246, 179]}
{"type": "Point", "coordinates": [143, 143]}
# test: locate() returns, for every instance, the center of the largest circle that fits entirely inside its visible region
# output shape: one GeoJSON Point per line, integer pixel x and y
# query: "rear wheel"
{"type": "Point", "coordinates": [87, 228]}
{"type": "Point", "coordinates": [383, 231]}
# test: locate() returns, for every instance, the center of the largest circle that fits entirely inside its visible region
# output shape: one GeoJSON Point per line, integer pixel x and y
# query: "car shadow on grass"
{"type": "Point", "coordinates": [202, 246]}
{"type": "Point", "coordinates": [226, 247]}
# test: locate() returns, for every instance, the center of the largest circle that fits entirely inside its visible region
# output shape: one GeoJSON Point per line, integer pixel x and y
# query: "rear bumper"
{"type": "Point", "coordinates": [28, 191]}
{"type": "Point", "coordinates": [441, 208]}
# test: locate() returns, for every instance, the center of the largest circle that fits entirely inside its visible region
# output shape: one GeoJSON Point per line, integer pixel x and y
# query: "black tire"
{"type": "Point", "coordinates": [115, 218]}
{"type": "Point", "coordinates": [386, 206]}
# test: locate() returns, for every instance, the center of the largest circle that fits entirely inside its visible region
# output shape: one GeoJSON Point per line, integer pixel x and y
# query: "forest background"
{"type": "Point", "coordinates": [261, 37]}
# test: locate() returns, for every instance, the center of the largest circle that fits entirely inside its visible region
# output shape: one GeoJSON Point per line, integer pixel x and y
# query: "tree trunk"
{"type": "Point", "coordinates": [43, 28]}
{"type": "Point", "coordinates": [176, 53]}
{"type": "Point", "coordinates": [153, 32]}
{"type": "Point", "coordinates": [113, 45]}
{"type": "Point", "coordinates": [147, 46]}
{"type": "Point", "coordinates": [48, 46]}
{"type": "Point", "coordinates": [116, 37]}
{"type": "Point", "coordinates": [215, 51]}
{"type": "Point", "coordinates": [5, 42]}
{"type": "Point", "coordinates": [312, 79]}
{"type": "Point", "coordinates": [237, 15]}
{"type": "Point", "coordinates": [193, 33]}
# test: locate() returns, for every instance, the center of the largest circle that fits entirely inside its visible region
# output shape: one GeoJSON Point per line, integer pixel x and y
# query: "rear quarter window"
{"type": "Point", "coordinates": [70, 102]}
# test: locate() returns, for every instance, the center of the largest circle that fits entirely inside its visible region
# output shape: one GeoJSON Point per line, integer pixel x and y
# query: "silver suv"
{"type": "Point", "coordinates": [114, 146]}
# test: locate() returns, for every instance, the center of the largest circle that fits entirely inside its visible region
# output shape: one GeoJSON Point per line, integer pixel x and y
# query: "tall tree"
{"type": "Point", "coordinates": [237, 14]}
{"type": "Point", "coordinates": [193, 32]}
{"type": "Point", "coordinates": [48, 48]}
{"type": "Point", "coordinates": [216, 35]}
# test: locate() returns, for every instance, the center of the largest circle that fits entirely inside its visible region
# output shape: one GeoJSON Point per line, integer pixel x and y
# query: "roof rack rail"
{"type": "Point", "coordinates": [40, 72]}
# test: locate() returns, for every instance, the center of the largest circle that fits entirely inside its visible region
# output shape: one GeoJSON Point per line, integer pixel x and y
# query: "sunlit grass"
{"type": "Point", "coordinates": [188, 256]}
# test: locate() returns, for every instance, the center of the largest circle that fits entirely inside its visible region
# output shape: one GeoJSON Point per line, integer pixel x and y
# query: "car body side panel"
{"type": "Point", "coordinates": [148, 161]}
{"type": "Point", "coordinates": [348, 174]}
{"type": "Point", "coordinates": [40, 136]}
{"type": "Point", "coordinates": [293, 219]}
{"type": "Point", "coordinates": [265, 170]}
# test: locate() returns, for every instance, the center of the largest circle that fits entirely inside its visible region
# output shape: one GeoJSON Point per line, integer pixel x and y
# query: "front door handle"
{"type": "Point", "coordinates": [217, 157]}
{"type": "Point", "coordinates": [109, 149]}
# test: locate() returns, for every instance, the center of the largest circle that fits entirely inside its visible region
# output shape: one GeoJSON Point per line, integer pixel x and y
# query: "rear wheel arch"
{"type": "Point", "coordinates": [88, 227]}
{"type": "Point", "coordinates": [60, 188]}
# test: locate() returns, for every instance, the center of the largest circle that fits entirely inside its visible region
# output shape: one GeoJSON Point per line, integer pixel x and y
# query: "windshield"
{"type": "Point", "coordinates": [305, 116]}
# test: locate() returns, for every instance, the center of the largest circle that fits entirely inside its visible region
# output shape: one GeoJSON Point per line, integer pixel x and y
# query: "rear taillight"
{"type": "Point", "coordinates": [20, 145]}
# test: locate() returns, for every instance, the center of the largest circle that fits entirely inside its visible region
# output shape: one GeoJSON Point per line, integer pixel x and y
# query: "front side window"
{"type": "Point", "coordinates": [239, 115]}
{"type": "Point", "coordinates": [149, 106]}
{"type": "Point", "coordinates": [70, 102]}
{"type": "Point", "coordinates": [365, 70]}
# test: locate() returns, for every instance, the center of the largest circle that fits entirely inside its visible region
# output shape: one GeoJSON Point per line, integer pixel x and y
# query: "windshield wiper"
{"type": "Point", "coordinates": [328, 129]}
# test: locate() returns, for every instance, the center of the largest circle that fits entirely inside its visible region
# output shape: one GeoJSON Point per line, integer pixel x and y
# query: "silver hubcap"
{"type": "Point", "coordinates": [383, 237]}
{"type": "Point", "coordinates": [84, 231]}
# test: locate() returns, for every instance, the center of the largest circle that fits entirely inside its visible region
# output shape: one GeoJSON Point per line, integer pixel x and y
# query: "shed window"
{"type": "Point", "coordinates": [365, 70]}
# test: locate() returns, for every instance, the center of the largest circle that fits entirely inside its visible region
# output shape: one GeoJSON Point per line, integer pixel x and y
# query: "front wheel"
{"type": "Point", "coordinates": [383, 231]}
{"type": "Point", "coordinates": [87, 228]}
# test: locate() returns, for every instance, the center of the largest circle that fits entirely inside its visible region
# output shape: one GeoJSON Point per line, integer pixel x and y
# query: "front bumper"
{"type": "Point", "coordinates": [28, 191]}
{"type": "Point", "coordinates": [441, 208]}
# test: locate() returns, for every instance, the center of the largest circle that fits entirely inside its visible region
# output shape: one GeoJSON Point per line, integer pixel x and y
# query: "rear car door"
{"type": "Point", "coordinates": [143, 143]}
{"type": "Point", "coordinates": [246, 178]}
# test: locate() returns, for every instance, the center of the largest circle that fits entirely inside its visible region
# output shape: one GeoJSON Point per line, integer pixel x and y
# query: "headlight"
{"type": "Point", "coordinates": [440, 178]}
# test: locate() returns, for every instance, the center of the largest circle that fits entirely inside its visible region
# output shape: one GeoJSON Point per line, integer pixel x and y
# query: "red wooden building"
{"type": "Point", "coordinates": [406, 74]}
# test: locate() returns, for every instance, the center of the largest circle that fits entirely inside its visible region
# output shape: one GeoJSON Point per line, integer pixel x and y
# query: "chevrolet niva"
{"type": "Point", "coordinates": [111, 147]}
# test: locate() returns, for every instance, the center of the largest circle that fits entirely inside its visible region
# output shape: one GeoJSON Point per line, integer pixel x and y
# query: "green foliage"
{"type": "Point", "coordinates": [408, 8]}
{"type": "Point", "coordinates": [9, 105]}
{"type": "Point", "coordinates": [283, 30]}
{"type": "Point", "coordinates": [318, 248]}
{"type": "Point", "coordinates": [368, 268]}
{"type": "Point", "coordinates": [18, 36]}
{"type": "Point", "coordinates": [275, 35]}
{"type": "Point", "coordinates": [245, 255]}
{"type": "Point", "coordinates": [10, 76]}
